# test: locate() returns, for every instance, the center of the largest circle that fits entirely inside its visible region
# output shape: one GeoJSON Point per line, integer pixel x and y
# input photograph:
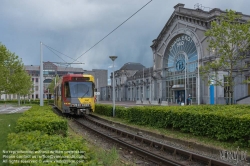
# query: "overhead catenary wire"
{"type": "Point", "coordinates": [53, 50]}
{"type": "Point", "coordinates": [49, 48]}
{"type": "Point", "coordinates": [112, 31]}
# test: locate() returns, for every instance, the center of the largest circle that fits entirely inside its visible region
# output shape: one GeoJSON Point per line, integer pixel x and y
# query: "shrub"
{"type": "Point", "coordinates": [225, 123]}
{"type": "Point", "coordinates": [42, 119]}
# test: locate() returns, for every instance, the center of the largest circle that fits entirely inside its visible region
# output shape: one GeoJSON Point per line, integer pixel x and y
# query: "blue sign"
{"type": "Point", "coordinates": [211, 94]}
{"type": "Point", "coordinates": [180, 65]}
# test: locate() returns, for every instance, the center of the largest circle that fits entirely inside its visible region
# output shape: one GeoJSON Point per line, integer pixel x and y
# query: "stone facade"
{"type": "Point", "coordinates": [173, 60]}
{"type": "Point", "coordinates": [178, 51]}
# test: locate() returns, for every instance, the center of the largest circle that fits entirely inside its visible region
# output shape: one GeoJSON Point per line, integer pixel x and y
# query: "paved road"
{"type": "Point", "coordinates": [10, 109]}
{"type": "Point", "coordinates": [118, 102]}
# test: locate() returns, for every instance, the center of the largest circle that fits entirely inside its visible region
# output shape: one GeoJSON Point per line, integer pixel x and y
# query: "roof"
{"type": "Point", "coordinates": [31, 67]}
{"type": "Point", "coordinates": [197, 14]}
{"type": "Point", "coordinates": [147, 72]}
{"type": "Point", "coordinates": [132, 66]}
{"type": "Point", "coordinates": [58, 68]}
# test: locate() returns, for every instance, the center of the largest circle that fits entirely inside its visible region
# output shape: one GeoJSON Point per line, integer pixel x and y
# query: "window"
{"type": "Point", "coordinates": [206, 87]}
{"type": "Point", "coordinates": [67, 90]}
{"type": "Point", "coordinates": [36, 79]}
{"type": "Point", "coordinates": [226, 87]}
{"type": "Point", "coordinates": [79, 89]}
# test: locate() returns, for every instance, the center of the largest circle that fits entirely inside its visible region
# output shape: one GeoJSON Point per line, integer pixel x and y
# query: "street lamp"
{"type": "Point", "coordinates": [113, 59]}
{"type": "Point", "coordinates": [186, 65]}
{"type": "Point", "coordinates": [143, 85]}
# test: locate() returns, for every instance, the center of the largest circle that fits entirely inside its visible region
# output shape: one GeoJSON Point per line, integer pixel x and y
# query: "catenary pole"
{"type": "Point", "coordinates": [41, 74]}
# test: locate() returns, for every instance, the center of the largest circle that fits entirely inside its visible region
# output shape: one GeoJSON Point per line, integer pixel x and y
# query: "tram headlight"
{"type": "Point", "coordinates": [67, 104]}
{"type": "Point", "coordinates": [81, 105]}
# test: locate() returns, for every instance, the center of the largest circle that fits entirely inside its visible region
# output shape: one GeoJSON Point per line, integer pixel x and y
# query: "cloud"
{"type": "Point", "coordinates": [73, 27]}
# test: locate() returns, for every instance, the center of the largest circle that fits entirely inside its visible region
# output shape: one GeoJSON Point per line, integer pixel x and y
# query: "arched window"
{"type": "Point", "coordinates": [176, 52]}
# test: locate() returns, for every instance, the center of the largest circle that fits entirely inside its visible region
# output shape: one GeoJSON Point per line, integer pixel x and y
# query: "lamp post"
{"type": "Point", "coordinates": [113, 59]}
{"type": "Point", "coordinates": [143, 85]}
{"type": "Point", "coordinates": [150, 86]}
{"type": "Point", "coordinates": [186, 65]}
{"type": "Point", "coordinates": [185, 82]}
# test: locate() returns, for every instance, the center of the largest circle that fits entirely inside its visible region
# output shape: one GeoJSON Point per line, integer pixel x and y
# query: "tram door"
{"type": "Point", "coordinates": [180, 96]}
{"type": "Point", "coordinates": [248, 89]}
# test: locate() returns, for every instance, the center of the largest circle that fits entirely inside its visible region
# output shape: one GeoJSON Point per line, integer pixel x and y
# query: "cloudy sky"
{"type": "Point", "coordinates": [72, 27]}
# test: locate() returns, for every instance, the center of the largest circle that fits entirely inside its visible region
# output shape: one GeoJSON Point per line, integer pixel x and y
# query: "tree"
{"type": "Point", "coordinates": [52, 84]}
{"type": "Point", "coordinates": [15, 80]}
{"type": "Point", "coordinates": [4, 74]}
{"type": "Point", "coordinates": [229, 39]}
{"type": "Point", "coordinates": [24, 84]}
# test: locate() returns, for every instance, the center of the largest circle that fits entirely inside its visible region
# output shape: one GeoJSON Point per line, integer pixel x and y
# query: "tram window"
{"type": "Point", "coordinates": [81, 89]}
{"type": "Point", "coordinates": [67, 89]}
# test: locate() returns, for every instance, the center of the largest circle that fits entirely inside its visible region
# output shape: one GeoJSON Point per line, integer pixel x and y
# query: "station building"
{"type": "Point", "coordinates": [178, 52]}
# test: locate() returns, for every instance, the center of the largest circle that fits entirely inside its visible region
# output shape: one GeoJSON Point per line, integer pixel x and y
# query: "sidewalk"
{"type": "Point", "coordinates": [134, 103]}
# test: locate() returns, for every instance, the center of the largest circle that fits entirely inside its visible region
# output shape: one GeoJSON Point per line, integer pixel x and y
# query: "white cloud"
{"type": "Point", "coordinates": [73, 27]}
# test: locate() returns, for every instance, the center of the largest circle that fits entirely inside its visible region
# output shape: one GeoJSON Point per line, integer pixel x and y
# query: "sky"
{"type": "Point", "coordinates": [70, 30]}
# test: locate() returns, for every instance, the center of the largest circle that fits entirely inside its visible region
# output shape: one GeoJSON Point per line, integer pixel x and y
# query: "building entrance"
{"type": "Point", "coordinates": [248, 89]}
{"type": "Point", "coordinates": [180, 96]}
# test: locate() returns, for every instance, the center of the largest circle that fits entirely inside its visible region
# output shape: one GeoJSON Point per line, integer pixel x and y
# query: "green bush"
{"type": "Point", "coordinates": [42, 119]}
{"type": "Point", "coordinates": [27, 101]}
{"type": "Point", "coordinates": [222, 122]}
{"type": "Point", "coordinates": [41, 147]}
{"type": "Point", "coordinates": [37, 141]}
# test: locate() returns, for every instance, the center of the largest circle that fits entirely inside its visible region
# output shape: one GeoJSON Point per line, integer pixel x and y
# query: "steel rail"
{"type": "Point", "coordinates": [162, 147]}
{"type": "Point", "coordinates": [141, 152]}
{"type": "Point", "coordinates": [145, 154]}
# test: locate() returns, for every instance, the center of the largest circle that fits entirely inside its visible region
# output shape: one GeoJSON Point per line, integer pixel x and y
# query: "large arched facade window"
{"type": "Point", "coordinates": [180, 62]}
{"type": "Point", "coordinates": [179, 47]}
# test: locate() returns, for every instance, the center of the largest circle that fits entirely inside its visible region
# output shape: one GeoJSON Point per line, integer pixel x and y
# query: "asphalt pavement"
{"type": "Point", "coordinates": [10, 109]}
{"type": "Point", "coordinates": [129, 103]}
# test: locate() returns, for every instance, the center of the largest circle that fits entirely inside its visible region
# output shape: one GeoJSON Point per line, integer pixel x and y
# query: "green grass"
{"type": "Point", "coordinates": [7, 125]}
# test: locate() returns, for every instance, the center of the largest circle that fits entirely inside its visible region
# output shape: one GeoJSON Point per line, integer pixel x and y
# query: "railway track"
{"type": "Point", "coordinates": [150, 150]}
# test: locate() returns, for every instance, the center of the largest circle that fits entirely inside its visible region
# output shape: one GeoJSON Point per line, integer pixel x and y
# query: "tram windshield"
{"type": "Point", "coordinates": [79, 89]}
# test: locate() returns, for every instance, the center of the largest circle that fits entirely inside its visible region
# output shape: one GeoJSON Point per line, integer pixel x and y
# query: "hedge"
{"type": "Point", "coordinates": [26, 101]}
{"type": "Point", "coordinates": [42, 148]}
{"type": "Point", "coordinates": [42, 139]}
{"type": "Point", "coordinates": [223, 122]}
{"type": "Point", "coordinates": [42, 119]}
